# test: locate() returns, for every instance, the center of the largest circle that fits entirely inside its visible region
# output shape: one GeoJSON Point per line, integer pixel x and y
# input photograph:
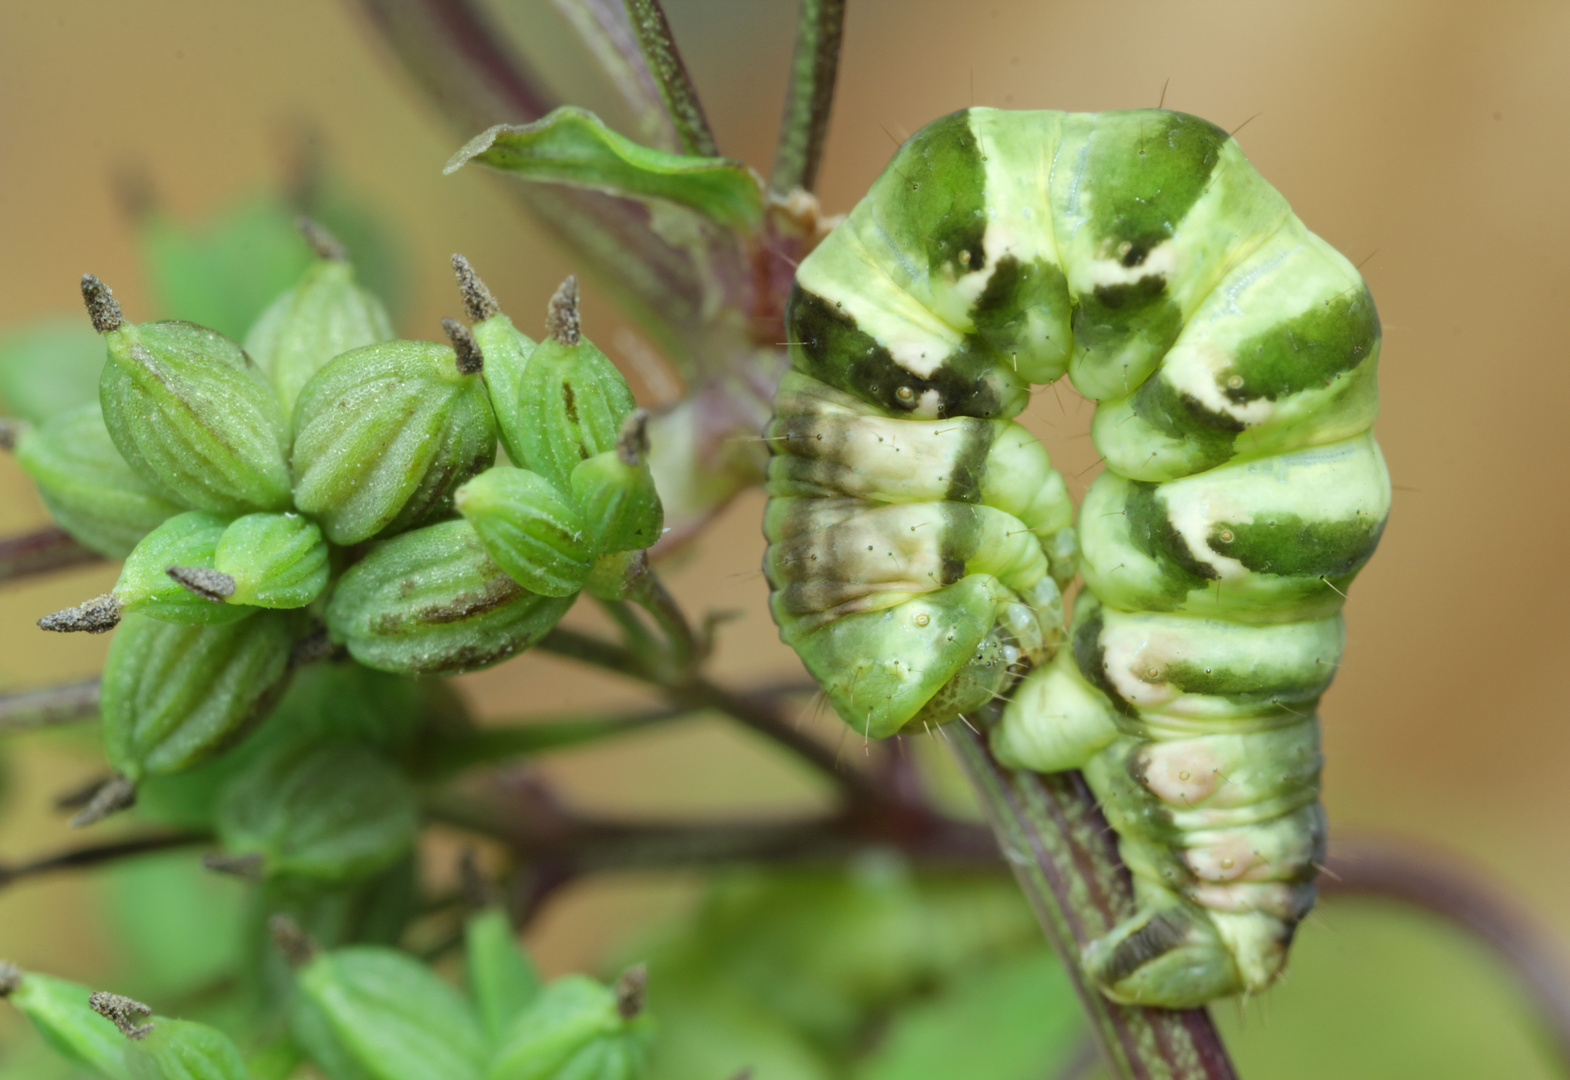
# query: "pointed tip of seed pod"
{"type": "Point", "coordinates": [296, 945]}
{"type": "Point", "coordinates": [477, 892]}
{"type": "Point", "coordinates": [477, 299]}
{"type": "Point", "coordinates": [113, 795]}
{"type": "Point", "coordinates": [745, 1074]}
{"type": "Point", "coordinates": [10, 431]}
{"type": "Point", "coordinates": [10, 978]}
{"type": "Point", "coordinates": [96, 616]}
{"type": "Point", "coordinates": [122, 1012]}
{"type": "Point", "coordinates": [561, 315]}
{"type": "Point", "coordinates": [250, 866]}
{"type": "Point", "coordinates": [632, 441]}
{"type": "Point", "coordinates": [133, 190]}
{"type": "Point", "coordinates": [470, 360]}
{"type": "Point", "coordinates": [102, 307]}
{"type": "Point", "coordinates": [324, 245]}
{"type": "Point", "coordinates": [204, 581]}
{"type": "Point", "coordinates": [631, 991]}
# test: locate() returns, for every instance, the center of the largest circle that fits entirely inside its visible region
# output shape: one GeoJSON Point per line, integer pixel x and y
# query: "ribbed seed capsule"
{"type": "Point", "coordinates": [532, 529]}
{"type": "Point", "coordinates": [507, 351]}
{"type": "Point", "coordinates": [59, 1011]}
{"type": "Point", "coordinates": [272, 560]}
{"type": "Point", "coordinates": [325, 315]}
{"type": "Point", "coordinates": [433, 601]}
{"type": "Point", "coordinates": [330, 812]}
{"type": "Point", "coordinates": [173, 695]}
{"type": "Point", "coordinates": [580, 1028]}
{"type": "Point", "coordinates": [385, 434]}
{"type": "Point", "coordinates": [190, 412]}
{"type": "Point", "coordinates": [572, 399]}
{"type": "Point", "coordinates": [184, 1050]}
{"type": "Point", "coordinates": [89, 489]}
{"type": "Point", "coordinates": [615, 492]}
{"type": "Point", "coordinates": [155, 580]}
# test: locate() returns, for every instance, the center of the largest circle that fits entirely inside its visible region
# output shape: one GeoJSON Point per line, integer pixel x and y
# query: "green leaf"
{"type": "Point", "coordinates": [149, 906]}
{"type": "Point", "coordinates": [574, 147]}
{"type": "Point", "coordinates": [48, 367]}
{"type": "Point", "coordinates": [60, 1013]}
{"type": "Point", "coordinates": [393, 1016]}
{"type": "Point", "coordinates": [1024, 1004]}
{"type": "Point", "coordinates": [502, 979]}
{"type": "Point", "coordinates": [184, 1050]}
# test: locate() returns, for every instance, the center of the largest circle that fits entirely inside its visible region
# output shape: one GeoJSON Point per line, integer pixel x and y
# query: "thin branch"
{"type": "Point", "coordinates": [97, 854]}
{"type": "Point", "coordinates": [607, 32]}
{"type": "Point", "coordinates": [810, 99]}
{"type": "Point", "coordinates": [42, 552]}
{"type": "Point", "coordinates": [459, 58]}
{"type": "Point", "coordinates": [1066, 861]}
{"type": "Point", "coordinates": [761, 714]}
{"type": "Point", "coordinates": [670, 75]}
{"type": "Point", "coordinates": [1390, 870]}
{"type": "Point", "coordinates": [51, 705]}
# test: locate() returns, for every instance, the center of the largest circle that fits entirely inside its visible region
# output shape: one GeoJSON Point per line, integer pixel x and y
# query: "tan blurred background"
{"type": "Point", "coordinates": [1426, 138]}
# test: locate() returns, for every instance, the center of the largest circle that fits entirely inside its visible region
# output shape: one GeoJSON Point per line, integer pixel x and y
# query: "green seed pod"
{"type": "Point", "coordinates": [89, 489]}
{"type": "Point", "coordinates": [323, 316]}
{"type": "Point", "coordinates": [392, 1016]}
{"type": "Point", "coordinates": [580, 1028]}
{"type": "Point", "coordinates": [615, 491]}
{"type": "Point", "coordinates": [173, 695]}
{"type": "Point", "coordinates": [189, 411]}
{"type": "Point", "coordinates": [385, 434]}
{"type": "Point", "coordinates": [507, 353]}
{"type": "Point", "coordinates": [502, 979]}
{"type": "Point", "coordinates": [331, 812]}
{"type": "Point", "coordinates": [433, 601]}
{"type": "Point", "coordinates": [572, 398]}
{"type": "Point", "coordinates": [184, 1050]}
{"type": "Point", "coordinates": [168, 576]}
{"type": "Point", "coordinates": [59, 1012]}
{"type": "Point", "coordinates": [530, 527]}
{"type": "Point", "coordinates": [272, 560]}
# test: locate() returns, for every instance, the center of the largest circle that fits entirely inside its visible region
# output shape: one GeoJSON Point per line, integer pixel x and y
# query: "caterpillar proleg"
{"type": "Point", "coordinates": [920, 540]}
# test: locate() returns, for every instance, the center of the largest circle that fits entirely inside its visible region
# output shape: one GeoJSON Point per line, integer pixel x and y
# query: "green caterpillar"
{"type": "Point", "coordinates": [920, 540]}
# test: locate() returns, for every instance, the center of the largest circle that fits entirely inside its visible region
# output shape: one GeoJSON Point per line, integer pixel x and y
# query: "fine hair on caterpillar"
{"type": "Point", "coordinates": [920, 540]}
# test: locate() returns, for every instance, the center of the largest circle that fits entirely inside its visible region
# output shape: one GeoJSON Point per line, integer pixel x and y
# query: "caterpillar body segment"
{"type": "Point", "coordinates": [919, 539]}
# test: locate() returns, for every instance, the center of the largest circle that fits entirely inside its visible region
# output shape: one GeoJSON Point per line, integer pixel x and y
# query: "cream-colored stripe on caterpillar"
{"type": "Point", "coordinates": [919, 538]}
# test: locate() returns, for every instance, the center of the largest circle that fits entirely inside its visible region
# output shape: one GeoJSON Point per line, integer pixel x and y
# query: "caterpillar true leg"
{"type": "Point", "coordinates": [920, 539]}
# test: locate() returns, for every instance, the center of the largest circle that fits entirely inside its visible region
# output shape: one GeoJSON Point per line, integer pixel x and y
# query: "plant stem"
{"type": "Point", "coordinates": [1385, 869]}
{"type": "Point", "coordinates": [41, 552]}
{"type": "Point", "coordinates": [607, 32]}
{"type": "Point", "coordinates": [51, 705]}
{"type": "Point", "coordinates": [670, 75]}
{"type": "Point", "coordinates": [808, 102]}
{"type": "Point", "coordinates": [759, 713]}
{"type": "Point", "coordinates": [1066, 860]}
{"type": "Point", "coordinates": [76, 858]}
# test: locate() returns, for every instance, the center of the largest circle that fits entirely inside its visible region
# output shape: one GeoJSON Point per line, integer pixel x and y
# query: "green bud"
{"type": "Point", "coordinates": [89, 489]}
{"type": "Point", "coordinates": [579, 1028]}
{"type": "Point", "coordinates": [530, 527]}
{"type": "Point", "coordinates": [615, 491]}
{"type": "Point", "coordinates": [502, 979]}
{"type": "Point", "coordinates": [326, 314]}
{"type": "Point", "coordinates": [167, 577]}
{"type": "Point", "coordinates": [189, 411]}
{"type": "Point", "coordinates": [332, 812]}
{"type": "Point", "coordinates": [272, 560]}
{"type": "Point", "coordinates": [184, 1050]}
{"type": "Point", "coordinates": [433, 601]}
{"type": "Point", "coordinates": [572, 398]}
{"type": "Point", "coordinates": [385, 434]}
{"type": "Point", "coordinates": [61, 1015]}
{"type": "Point", "coordinates": [393, 1017]}
{"type": "Point", "coordinates": [174, 695]}
{"type": "Point", "coordinates": [507, 353]}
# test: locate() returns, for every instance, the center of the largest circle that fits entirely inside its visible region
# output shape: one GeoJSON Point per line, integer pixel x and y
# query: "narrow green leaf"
{"type": "Point", "coordinates": [574, 147]}
{"type": "Point", "coordinates": [502, 979]}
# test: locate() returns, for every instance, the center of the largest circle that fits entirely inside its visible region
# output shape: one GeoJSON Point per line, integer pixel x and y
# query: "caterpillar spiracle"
{"type": "Point", "coordinates": [920, 541]}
